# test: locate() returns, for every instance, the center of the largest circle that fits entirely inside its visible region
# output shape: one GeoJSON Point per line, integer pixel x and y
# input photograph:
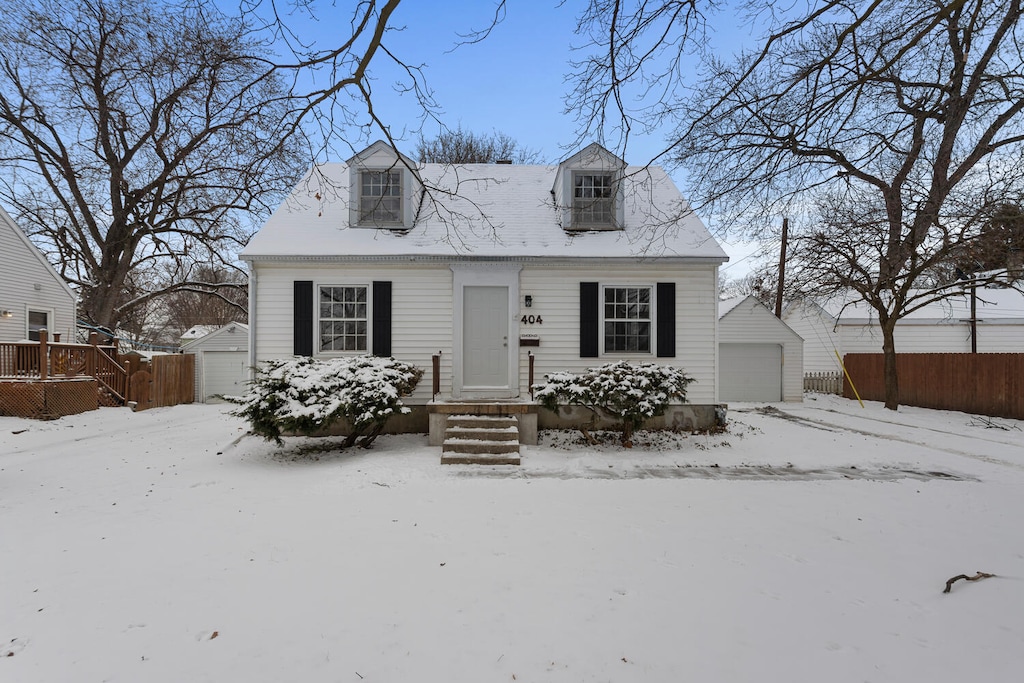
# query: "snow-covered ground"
{"type": "Point", "coordinates": [809, 543]}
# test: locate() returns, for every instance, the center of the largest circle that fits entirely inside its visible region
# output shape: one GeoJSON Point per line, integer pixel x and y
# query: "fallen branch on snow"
{"type": "Point", "coordinates": [976, 577]}
{"type": "Point", "coordinates": [989, 423]}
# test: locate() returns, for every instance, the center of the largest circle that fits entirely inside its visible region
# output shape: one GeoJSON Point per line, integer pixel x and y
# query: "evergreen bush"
{"type": "Point", "coordinates": [307, 395]}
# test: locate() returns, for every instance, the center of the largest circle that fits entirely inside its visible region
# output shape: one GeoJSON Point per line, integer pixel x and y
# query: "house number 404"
{"type": "Point", "coordinates": [532, 320]}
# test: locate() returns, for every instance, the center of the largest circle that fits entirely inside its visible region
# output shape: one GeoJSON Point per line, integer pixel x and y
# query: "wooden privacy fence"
{"type": "Point", "coordinates": [163, 381]}
{"type": "Point", "coordinates": [980, 383]}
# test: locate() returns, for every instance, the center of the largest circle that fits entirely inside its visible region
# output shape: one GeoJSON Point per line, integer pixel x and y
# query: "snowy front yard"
{"type": "Point", "coordinates": [811, 545]}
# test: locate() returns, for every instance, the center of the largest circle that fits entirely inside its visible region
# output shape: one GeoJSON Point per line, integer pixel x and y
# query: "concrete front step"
{"type": "Point", "coordinates": [481, 440]}
{"type": "Point", "coordinates": [474, 414]}
{"type": "Point", "coordinates": [483, 421]}
{"type": "Point", "coordinates": [483, 433]}
{"type": "Point", "coordinates": [457, 445]}
{"type": "Point", "coordinates": [480, 459]}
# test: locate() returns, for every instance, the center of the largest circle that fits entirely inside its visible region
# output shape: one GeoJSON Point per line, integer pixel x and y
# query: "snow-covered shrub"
{"type": "Point", "coordinates": [628, 393]}
{"type": "Point", "coordinates": [306, 395]}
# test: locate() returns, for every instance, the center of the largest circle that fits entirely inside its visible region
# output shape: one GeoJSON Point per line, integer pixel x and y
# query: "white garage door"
{"type": "Point", "coordinates": [750, 372]}
{"type": "Point", "coordinates": [224, 373]}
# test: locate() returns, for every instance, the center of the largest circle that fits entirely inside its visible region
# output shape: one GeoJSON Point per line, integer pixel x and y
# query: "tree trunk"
{"type": "Point", "coordinates": [892, 385]}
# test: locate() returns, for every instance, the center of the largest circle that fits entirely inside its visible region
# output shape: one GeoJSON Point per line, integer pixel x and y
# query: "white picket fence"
{"type": "Point", "coordinates": [824, 382]}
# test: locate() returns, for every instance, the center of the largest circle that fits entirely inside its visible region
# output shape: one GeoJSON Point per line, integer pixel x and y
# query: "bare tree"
{"type": "Point", "coordinates": [890, 127]}
{"type": "Point", "coordinates": [465, 147]}
{"type": "Point", "coordinates": [139, 134]}
{"type": "Point", "coordinates": [190, 306]}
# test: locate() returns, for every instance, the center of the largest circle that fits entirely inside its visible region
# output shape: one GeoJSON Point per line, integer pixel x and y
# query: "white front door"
{"type": "Point", "coordinates": [485, 338]}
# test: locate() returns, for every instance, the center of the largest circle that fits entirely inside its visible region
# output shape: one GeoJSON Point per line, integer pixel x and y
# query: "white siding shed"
{"type": "Point", "coordinates": [222, 362]}
{"type": "Point", "coordinates": [760, 357]}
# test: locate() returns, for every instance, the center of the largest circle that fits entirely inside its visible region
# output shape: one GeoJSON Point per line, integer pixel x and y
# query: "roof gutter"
{"type": "Point", "coordinates": [442, 259]}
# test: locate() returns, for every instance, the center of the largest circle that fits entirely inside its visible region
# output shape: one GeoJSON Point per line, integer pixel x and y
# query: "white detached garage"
{"type": "Point", "coordinates": [760, 358]}
{"type": "Point", "coordinates": [222, 362]}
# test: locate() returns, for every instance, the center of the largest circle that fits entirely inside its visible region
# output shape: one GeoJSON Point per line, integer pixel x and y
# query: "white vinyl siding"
{"type": "Point", "coordinates": [421, 318]}
{"type": "Point", "coordinates": [27, 284]}
{"type": "Point", "coordinates": [555, 292]}
{"type": "Point", "coordinates": [938, 337]}
{"type": "Point", "coordinates": [822, 339]}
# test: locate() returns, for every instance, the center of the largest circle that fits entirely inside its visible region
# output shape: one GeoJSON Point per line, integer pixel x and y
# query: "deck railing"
{"type": "Point", "coordinates": [23, 360]}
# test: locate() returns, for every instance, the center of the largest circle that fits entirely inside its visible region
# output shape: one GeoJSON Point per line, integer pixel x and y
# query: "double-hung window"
{"type": "Point", "coordinates": [343, 318]}
{"type": "Point", "coordinates": [627, 319]}
{"type": "Point", "coordinates": [380, 197]}
{"type": "Point", "coordinates": [593, 200]}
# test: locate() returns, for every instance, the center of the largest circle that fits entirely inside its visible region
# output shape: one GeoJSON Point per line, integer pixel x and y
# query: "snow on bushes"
{"type": "Point", "coordinates": [628, 393]}
{"type": "Point", "coordinates": [306, 395]}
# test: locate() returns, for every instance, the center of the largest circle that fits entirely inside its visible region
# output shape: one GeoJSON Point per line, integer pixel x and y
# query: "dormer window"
{"type": "Point", "coordinates": [380, 198]}
{"type": "Point", "coordinates": [383, 187]}
{"type": "Point", "coordinates": [593, 200]}
{"type": "Point", "coordinates": [589, 189]}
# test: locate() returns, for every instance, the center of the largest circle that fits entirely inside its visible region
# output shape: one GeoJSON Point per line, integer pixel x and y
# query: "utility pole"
{"type": "Point", "coordinates": [974, 315]}
{"type": "Point", "coordinates": [782, 268]}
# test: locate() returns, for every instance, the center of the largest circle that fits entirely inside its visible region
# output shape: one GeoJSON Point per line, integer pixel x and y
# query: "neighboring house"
{"type": "Point", "coordinates": [760, 356]}
{"type": "Point", "coordinates": [940, 327]}
{"type": "Point", "coordinates": [32, 295]}
{"type": "Point", "coordinates": [576, 264]}
{"type": "Point", "coordinates": [222, 362]}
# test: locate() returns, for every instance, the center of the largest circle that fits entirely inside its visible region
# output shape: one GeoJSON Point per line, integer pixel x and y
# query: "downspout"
{"type": "Point", "coordinates": [252, 320]}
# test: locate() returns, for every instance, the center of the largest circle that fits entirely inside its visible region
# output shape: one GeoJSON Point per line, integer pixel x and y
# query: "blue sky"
{"type": "Point", "coordinates": [513, 82]}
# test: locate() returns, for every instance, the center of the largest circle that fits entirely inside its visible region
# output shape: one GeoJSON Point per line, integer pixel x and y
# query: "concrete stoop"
{"type": "Point", "coordinates": [481, 440]}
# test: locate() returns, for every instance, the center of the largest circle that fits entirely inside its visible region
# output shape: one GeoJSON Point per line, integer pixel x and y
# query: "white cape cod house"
{"type": "Point", "coordinates": [485, 265]}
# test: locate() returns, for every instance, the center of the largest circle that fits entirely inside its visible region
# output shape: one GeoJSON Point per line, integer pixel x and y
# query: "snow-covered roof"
{"type": "Point", "coordinates": [214, 331]}
{"type": "Point", "coordinates": [198, 331]}
{"type": "Point", "coordinates": [490, 210]}
{"type": "Point", "coordinates": [994, 304]}
{"type": "Point", "coordinates": [726, 305]}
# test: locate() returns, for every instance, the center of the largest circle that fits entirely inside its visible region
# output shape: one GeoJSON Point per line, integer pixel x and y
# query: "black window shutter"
{"type": "Point", "coordinates": [589, 320]}
{"type": "Point", "coordinates": [665, 303]}
{"type": "Point", "coordinates": [302, 331]}
{"type": "Point", "coordinates": [381, 329]}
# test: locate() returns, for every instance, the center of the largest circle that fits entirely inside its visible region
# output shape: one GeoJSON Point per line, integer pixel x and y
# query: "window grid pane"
{"type": "Point", "coordinates": [627, 314]}
{"type": "Point", "coordinates": [343, 314]}
{"type": "Point", "coordinates": [380, 198]}
{"type": "Point", "coordinates": [593, 197]}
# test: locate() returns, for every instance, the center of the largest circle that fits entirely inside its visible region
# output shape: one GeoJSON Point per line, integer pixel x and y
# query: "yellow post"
{"type": "Point", "coordinates": [850, 379]}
